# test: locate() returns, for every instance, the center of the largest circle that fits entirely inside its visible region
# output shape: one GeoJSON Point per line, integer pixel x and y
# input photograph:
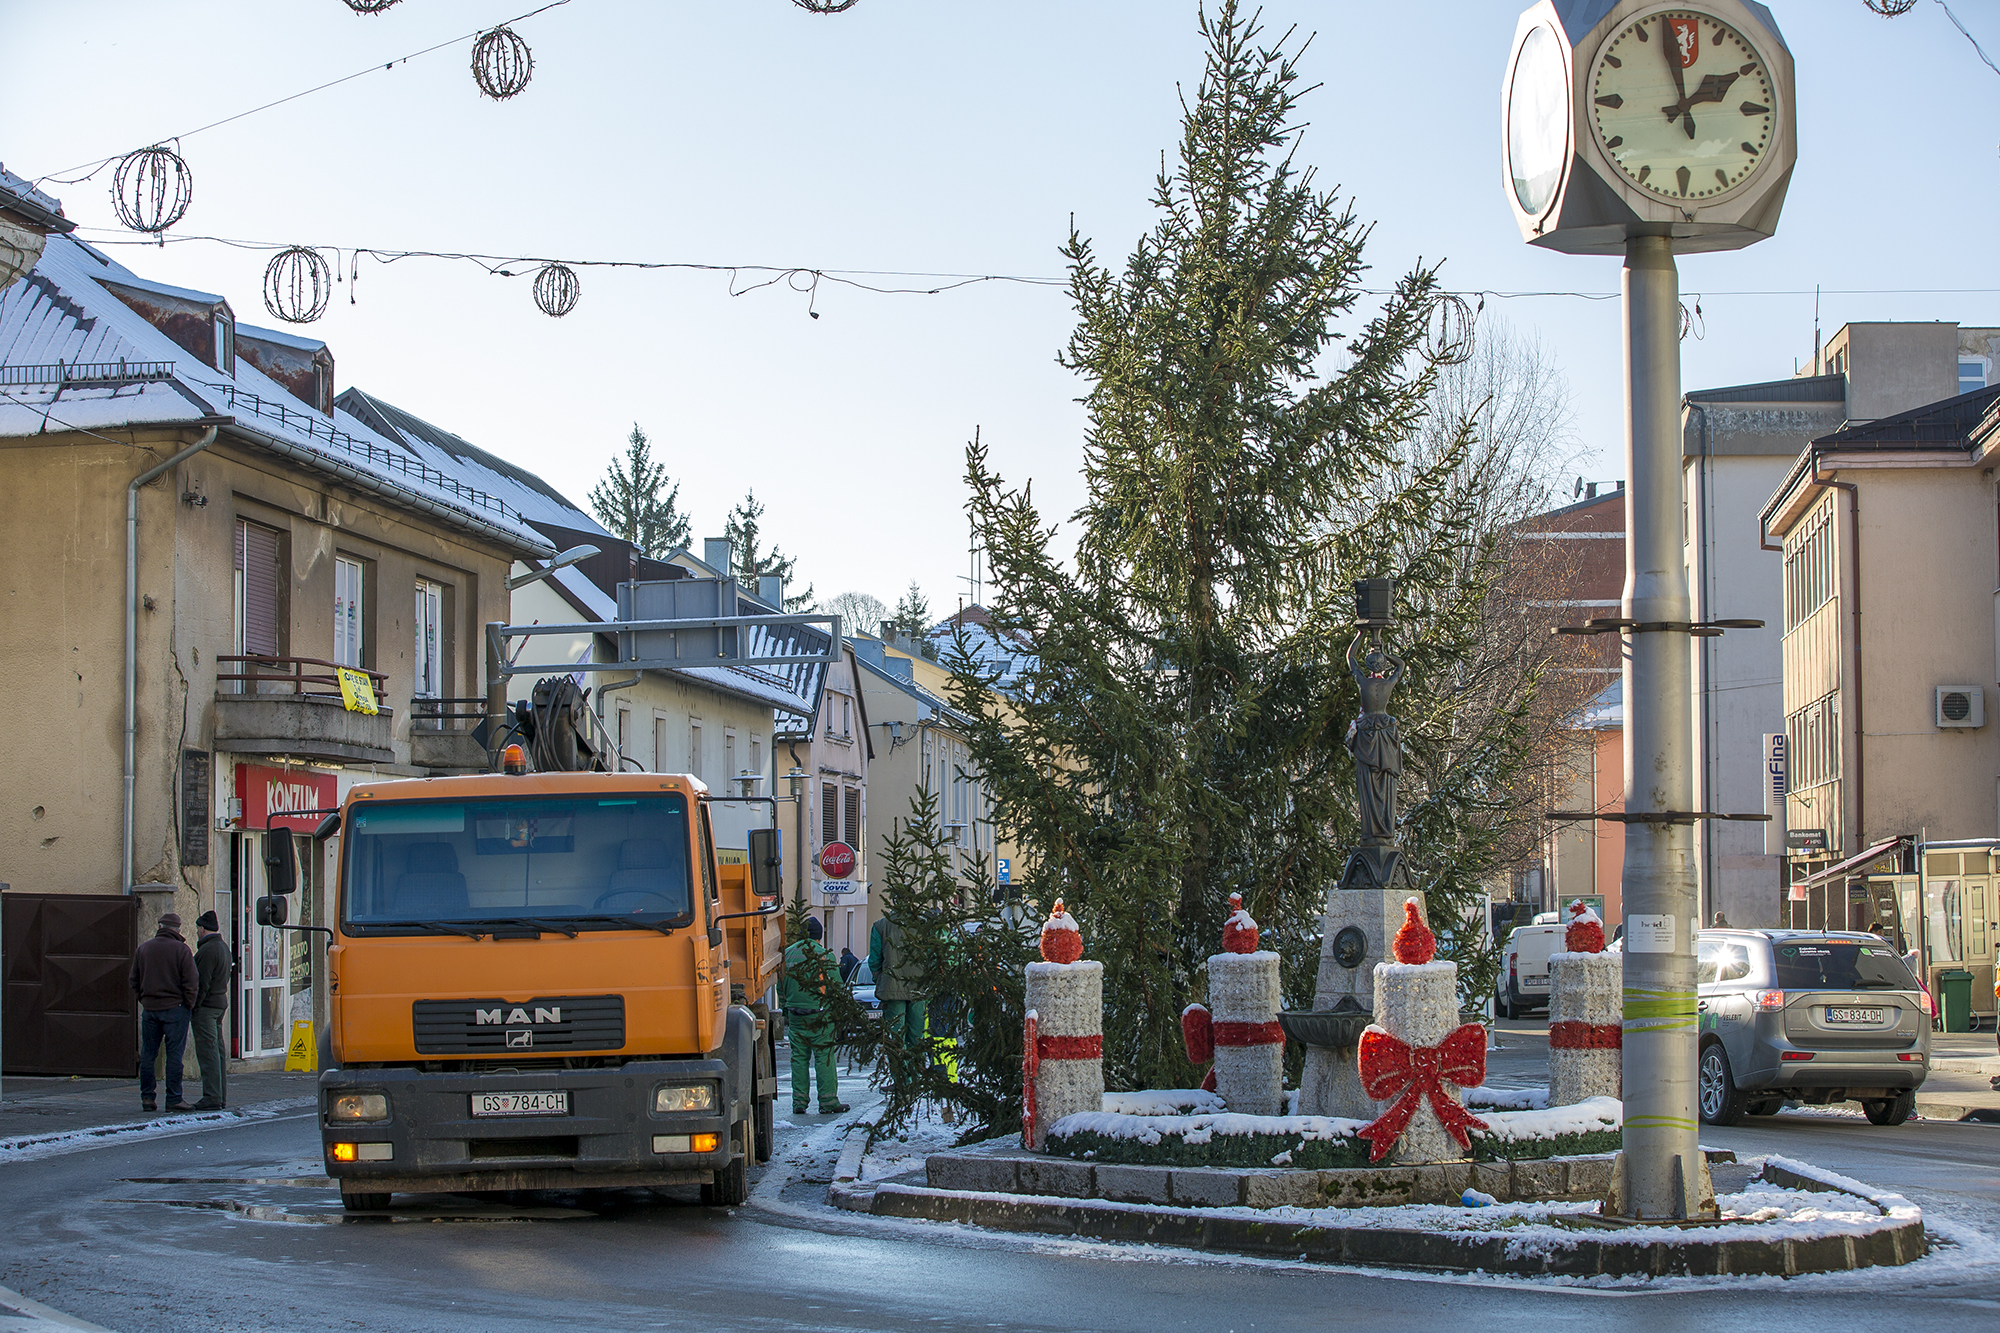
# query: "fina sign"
{"type": "Point", "coordinates": [1777, 785]}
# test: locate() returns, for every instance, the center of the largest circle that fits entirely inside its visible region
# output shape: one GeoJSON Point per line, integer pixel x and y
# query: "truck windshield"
{"type": "Point", "coordinates": [596, 862]}
{"type": "Point", "coordinates": [1840, 965]}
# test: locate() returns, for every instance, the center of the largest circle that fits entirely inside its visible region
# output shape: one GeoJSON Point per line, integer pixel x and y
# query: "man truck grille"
{"type": "Point", "coordinates": [527, 1027]}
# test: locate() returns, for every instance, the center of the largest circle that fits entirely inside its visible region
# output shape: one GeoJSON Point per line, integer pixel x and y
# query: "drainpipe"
{"type": "Point", "coordinates": [1854, 549]}
{"type": "Point", "coordinates": [132, 643]}
{"type": "Point", "coordinates": [1704, 611]}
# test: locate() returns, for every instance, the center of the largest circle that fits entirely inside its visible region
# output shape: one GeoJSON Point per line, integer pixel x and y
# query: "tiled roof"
{"type": "Point", "coordinates": [72, 355]}
{"type": "Point", "coordinates": [1947, 424]}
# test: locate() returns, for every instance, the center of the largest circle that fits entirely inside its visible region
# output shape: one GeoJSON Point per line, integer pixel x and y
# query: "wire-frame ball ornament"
{"type": "Point", "coordinates": [298, 282]}
{"type": "Point", "coordinates": [370, 6]}
{"type": "Point", "coordinates": [556, 290]}
{"type": "Point", "coordinates": [1889, 9]}
{"type": "Point", "coordinates": [501, 64]}
{"type": "Point", "coordinates": [151, 189]}
{"type": "Point", "coordinates": [826, 6]}
{"type": "Point", "coordinates": [1449, 333]}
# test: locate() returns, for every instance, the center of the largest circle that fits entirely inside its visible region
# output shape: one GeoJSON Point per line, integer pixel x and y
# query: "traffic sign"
{"type": "Point", "coordinates": [1006, 869]}
{"type": "Point", "coordinates": [836, 860]}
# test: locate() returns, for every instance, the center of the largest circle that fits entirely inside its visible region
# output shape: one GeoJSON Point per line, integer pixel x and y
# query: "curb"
{"type": "Point", "coordinates": [1972, 1115]}
{"type": "Point", "coordinates": [1900, 1240]}
{"type": "Point", "coordinates": [44, 1315]}
{"type": "Point", "coordinates": [848, 1169]}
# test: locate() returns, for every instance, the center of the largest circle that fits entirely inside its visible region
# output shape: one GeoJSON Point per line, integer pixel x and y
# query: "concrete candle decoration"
{"type": "Point", "coordinates": [1063, 1051]}
{"type": "Point", "coordinates": [1416, 1056]}
{"type": "Point", "coordinates": [1586, 1014]}
{"type": "Point", "coordinates": [1244, 1001]}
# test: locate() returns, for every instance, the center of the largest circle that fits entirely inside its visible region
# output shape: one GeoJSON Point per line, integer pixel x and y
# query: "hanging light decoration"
{"type": "Point", "coordinates": [841, 6]}
{"type": "Point", "coordinates": [1448, 335]}
{"type": "Point", "coordinates": [370, 6]}
{"type": "Point", "coordinates": [556, 290]}
{"type": "Point", "coordinates": [298, 283]}
{"type": "Point", "coordinates": [1889, 9]}
{"type": "Point", "coordinates": [501, 64]}
{"type": "Point", "coordinates": [151, 189]}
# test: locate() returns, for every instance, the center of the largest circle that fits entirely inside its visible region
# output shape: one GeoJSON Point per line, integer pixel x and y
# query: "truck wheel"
{"type": "Point", "coordinates": [1721, 1102]}
{"type": "Point", "coordinates": [765, 1116]}
{"type": "Point", "coordinates": [363, 1203]}
{"type": "Point", "coordinates": [1890, 1110]}
{"type": "Point", "coordinates": [732, 1183]}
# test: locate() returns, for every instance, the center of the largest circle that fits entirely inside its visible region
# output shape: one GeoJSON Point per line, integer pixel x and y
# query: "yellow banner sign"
{"type": "Point", "coordinates": [357, 691]}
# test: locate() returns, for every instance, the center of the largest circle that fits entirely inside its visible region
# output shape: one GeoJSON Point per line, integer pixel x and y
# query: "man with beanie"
{"type": "Point", "coordinates": [810, 969]}
{"type": "Point", "coordinates": [213, 964]}
{"type": "Point", "coordinates": [166, 985]}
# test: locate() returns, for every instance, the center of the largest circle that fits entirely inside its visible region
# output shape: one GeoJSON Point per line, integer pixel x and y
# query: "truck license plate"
{"type": "Point", "coordinates": [1834, 1015]}
{"type": "Point", "coordinates": [520, 1103]}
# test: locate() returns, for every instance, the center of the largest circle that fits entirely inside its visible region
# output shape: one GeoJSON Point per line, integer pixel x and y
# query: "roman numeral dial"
{"type": "Point", "coordinates": [1682, 105]}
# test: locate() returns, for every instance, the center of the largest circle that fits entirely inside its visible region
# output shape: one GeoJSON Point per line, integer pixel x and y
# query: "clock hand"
{"type": "Point", "coordinates": [1714, 87]}
{"type": "Point", "coordinates": [1670, 47]}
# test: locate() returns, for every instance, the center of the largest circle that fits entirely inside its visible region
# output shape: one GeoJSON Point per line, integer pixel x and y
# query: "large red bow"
{"type": "Point", "coordinates": [1392, 1069]}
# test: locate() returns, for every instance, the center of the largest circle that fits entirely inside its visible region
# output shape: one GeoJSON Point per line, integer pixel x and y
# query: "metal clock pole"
{"type": "Point", "coordinates": [1661, 1165]}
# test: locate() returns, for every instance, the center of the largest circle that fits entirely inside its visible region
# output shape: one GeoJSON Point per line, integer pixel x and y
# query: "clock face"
{"type": "Point", "coordinates": [1683, 105]}
{"type": "Point", "coordinates": [1537, 121]}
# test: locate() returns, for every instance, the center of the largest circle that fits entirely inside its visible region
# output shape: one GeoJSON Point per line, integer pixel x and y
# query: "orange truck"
{"type": "Point", "coordinates": [545, 981]}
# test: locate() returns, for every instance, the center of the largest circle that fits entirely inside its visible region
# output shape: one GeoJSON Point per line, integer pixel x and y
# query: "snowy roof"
{"type": "Point", "coordinates": [74, 356]}
{"type": "Point", "coordinates": [1606, 711]}
{"type": "Point", "coordinates": [22, 195]}
{"type": "Point", "coordinates": [530, 496]}
{"type": "Point", "coordinates": [868, 652]}
{"type": "Point", "coordinates": [280, 337]}
{"type": "Point", "coordinates": [1006, 651]}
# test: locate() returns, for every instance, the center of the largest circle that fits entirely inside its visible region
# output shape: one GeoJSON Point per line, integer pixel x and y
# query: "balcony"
{"type": "Point", "coordinates": [292, 706]}
{"type": "Point", "coordinates": [441, 738]}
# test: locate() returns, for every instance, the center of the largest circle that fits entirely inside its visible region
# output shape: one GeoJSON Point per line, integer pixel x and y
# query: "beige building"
{"type": "Point", "coordinates": [1890, 620]}
{"type": "Point", "coordinates": [154, 444]}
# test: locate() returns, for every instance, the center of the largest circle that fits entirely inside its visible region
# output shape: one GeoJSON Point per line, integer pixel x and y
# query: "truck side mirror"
{"type": "Point", "coordinates": [767, 858]}
{"type": "Point", "coordinates": [281, 862]}
{"type": "Point", "coordinates": [327, 827]}
{"type": "Point", "coordinates": [272, 910]}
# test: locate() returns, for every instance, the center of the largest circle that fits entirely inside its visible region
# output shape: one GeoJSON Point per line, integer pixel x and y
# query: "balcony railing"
{"type": "Point", "coordinates": [260, 674]}
{"type": "Point", "coordinates": [447, 714]}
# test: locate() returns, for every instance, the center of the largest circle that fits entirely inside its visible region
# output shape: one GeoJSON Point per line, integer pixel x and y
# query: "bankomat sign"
{"type": "Point", "coordinates": [1777, 785]}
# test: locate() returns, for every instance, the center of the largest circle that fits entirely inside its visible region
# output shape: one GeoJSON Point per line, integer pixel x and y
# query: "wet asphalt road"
{"type": "Point", "coordinates": [153, 1235]}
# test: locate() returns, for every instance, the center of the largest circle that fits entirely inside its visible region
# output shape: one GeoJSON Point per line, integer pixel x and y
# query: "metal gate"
{"type": "Point", "coordinates": [69, 1006]}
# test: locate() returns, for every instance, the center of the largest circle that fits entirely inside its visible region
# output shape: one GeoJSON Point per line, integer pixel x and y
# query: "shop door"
{"type": "Point", "coordinates": [69, 1007]}
{"type": "Point", "coordinates": [263, 954]}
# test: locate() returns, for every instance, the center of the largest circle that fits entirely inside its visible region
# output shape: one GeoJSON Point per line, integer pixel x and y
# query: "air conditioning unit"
{"type": "Point", "coordinates": [1961, 706]}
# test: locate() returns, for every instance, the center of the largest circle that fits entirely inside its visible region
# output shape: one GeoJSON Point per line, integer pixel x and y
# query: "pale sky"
{"type": "Point", "coordinates": [914, 135]}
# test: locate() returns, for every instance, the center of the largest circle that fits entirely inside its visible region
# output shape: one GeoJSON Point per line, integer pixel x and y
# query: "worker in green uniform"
{"type": "Point", "coordinates": [810, 969]}
{"type": "Point", "coordinates": [896, 982]}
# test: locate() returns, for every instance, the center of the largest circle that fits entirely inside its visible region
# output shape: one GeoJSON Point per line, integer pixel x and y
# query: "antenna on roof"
{"type": "Point", "coordinates": [1816, 365]}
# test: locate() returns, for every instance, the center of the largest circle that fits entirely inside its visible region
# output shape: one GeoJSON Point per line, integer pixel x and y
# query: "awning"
{"type": "Point", "coordinates": [1842, 868]}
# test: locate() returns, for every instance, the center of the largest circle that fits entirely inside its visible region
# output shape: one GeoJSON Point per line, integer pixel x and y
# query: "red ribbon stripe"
{"type": "Point", "coordinates": [1569, 1035]}
{"type": "Point", "coordinates": [1249, 1034]}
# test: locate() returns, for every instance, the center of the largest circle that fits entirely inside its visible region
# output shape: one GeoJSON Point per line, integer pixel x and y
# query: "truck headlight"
{"type": "Point", "coordinates": [359, 1106]}
{"type": "Point", "coordinates": [684, 1097]}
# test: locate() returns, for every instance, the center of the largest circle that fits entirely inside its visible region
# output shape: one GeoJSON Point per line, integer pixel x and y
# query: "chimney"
{"type": "Point", "coordinates": [715, 550]}
{"type": "Point", "coordinates": [771, 590]}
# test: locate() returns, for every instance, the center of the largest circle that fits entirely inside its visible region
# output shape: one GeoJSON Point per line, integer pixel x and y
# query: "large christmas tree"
{"type": "Point", "coordinates": [1252, 449]}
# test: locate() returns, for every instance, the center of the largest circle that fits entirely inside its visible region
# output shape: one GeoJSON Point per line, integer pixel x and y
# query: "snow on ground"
{"type": "Point", "coordinates": [905, 1152]}
{"type": "Point", "coordinates": [1165, 1101]}
{"type": "Point", "coordinates": [33, 1147]}
{"type": "Point", "coordinates": [1499, 1098]}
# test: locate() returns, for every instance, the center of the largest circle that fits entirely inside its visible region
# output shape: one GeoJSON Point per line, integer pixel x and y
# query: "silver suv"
{"type": "Point", "coordinates": [1809, 1016]}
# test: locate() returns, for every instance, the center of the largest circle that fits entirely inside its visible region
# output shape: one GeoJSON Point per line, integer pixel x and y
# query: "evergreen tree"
{"type": "Point", "coordinates": [751, 561]}
{"type": "Point", "coordinates": [913, 613]}
{"type": "Point", "coordinates": [1178, 734]}
{"type": "Point", "coordinates": [635, 502]}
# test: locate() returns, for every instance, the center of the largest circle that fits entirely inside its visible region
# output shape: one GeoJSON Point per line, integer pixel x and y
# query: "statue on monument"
{"type": "Point", "coordinates": [1376, 744]}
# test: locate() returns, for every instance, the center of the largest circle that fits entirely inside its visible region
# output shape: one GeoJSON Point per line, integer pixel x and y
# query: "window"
{"type": "Point", "coordinates": [851, 817]}
{"type": "Point", "coordinates": [829, 813]}
{"type": "Point", "coordinates": [1809, 566]}
{"type": "Point", "coordinates": [323, 387]}
{"type": "Point", "coordinates": [427, 676]}
{"type": "Point", "coordinates": [225, 344]}
{"type": "Point", "coordinates": [1812, 742]}
{"type": "Point", "coordinates": [624, 735]}
{"type": "Point", "coordinates": [694, 748]}
{"type": "Point", "coordinates": [259, 589]}
{"type": "Point", "coordinates": [1971, 374]}
{"type": "Point", "coordinates": [728, 757]}
{"type": "Point", "coordinates": [757, 756]}
{"type": "Point", "coordinates": [660, 742]}
{"type": "Point", "coordinates": [347, 611]}
{"type": "Point", "coordinates": [846, 716]}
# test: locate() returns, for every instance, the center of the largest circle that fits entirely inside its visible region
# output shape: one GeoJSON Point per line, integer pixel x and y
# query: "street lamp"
{"type": "Point", "coordinates": [563, 561]}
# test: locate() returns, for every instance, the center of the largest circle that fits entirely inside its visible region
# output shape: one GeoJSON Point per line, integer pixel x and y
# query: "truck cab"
{"type": "Point", "coordinates": [537, 982]}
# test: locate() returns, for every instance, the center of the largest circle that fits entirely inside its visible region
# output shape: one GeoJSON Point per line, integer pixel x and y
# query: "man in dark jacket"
{"type": "Point", "coordinates": [212, 964]}
{"type": "Point", "coordinates": [166, 985]}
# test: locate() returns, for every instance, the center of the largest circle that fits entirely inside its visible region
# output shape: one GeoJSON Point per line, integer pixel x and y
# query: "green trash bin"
{"type": "Point", "coordinates": [1955, 993]}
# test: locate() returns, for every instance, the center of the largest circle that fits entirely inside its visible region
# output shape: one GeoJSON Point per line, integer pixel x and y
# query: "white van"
{"type": "Point", "coordinates": [1523, 981]}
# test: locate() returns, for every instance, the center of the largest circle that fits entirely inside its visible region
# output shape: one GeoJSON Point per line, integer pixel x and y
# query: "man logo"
{"type": "Point", "coordinates": [520, 1037]}
{"type": "Point", "coordinates": [491, 1017]}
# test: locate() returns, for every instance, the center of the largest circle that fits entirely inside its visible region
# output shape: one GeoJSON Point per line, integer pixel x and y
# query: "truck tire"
{"type": "Point", "coordinates": [765, 1116]}
{"type": "Point", "coordinates": [767, 1067]}
{"type": "Point", "coordinates": [732, 1184]}
{"type": "Point", "coordinates": [363, 1203]}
